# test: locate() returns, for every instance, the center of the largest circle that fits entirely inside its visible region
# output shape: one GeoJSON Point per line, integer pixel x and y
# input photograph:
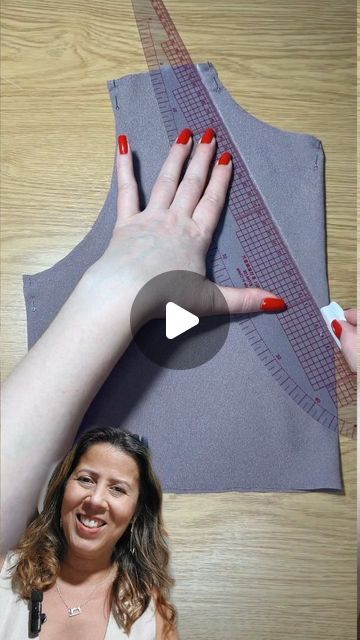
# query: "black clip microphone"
{"type": "Point", "coordinates": [36, 618]}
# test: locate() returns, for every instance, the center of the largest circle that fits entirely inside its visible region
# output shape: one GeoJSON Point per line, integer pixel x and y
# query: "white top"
{"type": "Point", "coordinates": [14, 616]}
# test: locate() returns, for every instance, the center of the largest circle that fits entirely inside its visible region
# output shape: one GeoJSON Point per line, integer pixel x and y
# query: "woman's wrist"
{"type": "Point", "coordinates": [103, 312]}
{"type": "Point", "coordinates": [112, 294]}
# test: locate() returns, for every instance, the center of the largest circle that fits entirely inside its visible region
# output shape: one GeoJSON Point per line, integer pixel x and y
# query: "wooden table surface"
{"type": "Point", "coordinates": [247, 565]}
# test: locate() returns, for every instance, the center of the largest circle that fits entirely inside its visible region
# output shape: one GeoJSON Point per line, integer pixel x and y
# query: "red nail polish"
{"type": "Point", "coordinates": [123, 144]}
{"type": "Point", "coordinates": [208, 135]}
{"type": "Point", "coordinates": [273, 304]}
{"type": "Point", "coordinates": [337, 328]}
{"type": "Point", "coordinates": [225, 158]}
{"type": "Point", "coordinates": [184, 136]}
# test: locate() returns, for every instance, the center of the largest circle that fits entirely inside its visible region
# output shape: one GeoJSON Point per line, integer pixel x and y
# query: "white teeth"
{"type": "Point", "coordinates": [90, 523]}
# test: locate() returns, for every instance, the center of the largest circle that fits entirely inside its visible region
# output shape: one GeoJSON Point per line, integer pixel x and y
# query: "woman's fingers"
{"type": "Point", "coordinates": [251, 300]}
{"type": "Point", "coordinates": [351, 316]}
{"type": "Point", "coordinates": [164, 189]}
{"type": "Point", "coordinates": [193, 183]}
{"type": "Point", "coordinates": [348, 342]}
{"type": "Point", "coordinates": [168, 194]}
{"type": "Point", "coordinates": [208, 211]}
{"type": "Point", "coordinates": [128, 195]}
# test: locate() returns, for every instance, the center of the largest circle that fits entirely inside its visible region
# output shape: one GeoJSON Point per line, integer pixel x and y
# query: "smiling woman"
{"type": "Point", "coordinates": [98, 549]}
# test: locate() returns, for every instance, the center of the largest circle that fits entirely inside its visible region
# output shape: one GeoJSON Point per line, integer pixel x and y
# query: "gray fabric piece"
{"type": "Point", "coordinates": [226, 425]}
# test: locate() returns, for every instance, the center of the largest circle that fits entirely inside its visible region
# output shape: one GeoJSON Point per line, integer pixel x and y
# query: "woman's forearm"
{"type": "Point", "coordinates": [45, 397]}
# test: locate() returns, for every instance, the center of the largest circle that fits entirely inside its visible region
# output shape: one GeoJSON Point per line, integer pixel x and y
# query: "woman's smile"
{"type": "Point", "coordinates": [89, 526]}
{"type": "Point", "coordinates": [90, 520]}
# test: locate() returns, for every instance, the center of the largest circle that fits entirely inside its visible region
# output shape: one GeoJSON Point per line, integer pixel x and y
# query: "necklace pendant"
{"type": "Point", "coordinates": [74, 611]}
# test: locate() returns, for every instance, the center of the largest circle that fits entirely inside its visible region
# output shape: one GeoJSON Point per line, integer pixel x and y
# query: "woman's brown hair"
{"type": "Point", "coordinates": [43, 545]}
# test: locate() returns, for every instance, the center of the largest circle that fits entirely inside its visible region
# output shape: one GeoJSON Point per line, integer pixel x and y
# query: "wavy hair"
{"type": "Point", "coordinates": [43, 545]}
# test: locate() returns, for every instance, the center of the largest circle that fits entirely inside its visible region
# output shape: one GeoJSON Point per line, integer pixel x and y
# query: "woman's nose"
{"type": "Point", "coordinates": [96, 497]}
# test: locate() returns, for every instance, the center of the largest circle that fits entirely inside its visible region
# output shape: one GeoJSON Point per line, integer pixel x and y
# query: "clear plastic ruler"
{"type": "Point", "coordinates": [309, 367]}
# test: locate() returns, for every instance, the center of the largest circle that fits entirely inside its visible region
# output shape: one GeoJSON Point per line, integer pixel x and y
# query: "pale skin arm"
{"type": "Point", "coordinates": [47, 394]}
{"type": "Point", "coordinates": [45, 398]}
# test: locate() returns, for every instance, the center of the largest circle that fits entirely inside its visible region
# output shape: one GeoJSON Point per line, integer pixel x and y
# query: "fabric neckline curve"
{"type": "Point", "coordinates": [214, 84]}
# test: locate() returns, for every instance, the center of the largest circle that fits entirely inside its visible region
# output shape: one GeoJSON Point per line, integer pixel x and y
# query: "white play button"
{"type": "Point", "coordinates": [178, 320]}
{"type": "Point", "coordinates": [165, 308]}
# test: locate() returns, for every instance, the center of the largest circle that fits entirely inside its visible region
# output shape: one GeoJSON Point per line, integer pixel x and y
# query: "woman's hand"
{"type": "Point", "coordinates": [176, 228]}
{"type": "Point", "coordinates": [347, 334]}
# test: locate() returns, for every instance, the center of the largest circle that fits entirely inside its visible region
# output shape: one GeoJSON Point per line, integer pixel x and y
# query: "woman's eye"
{"type": "Point", "coordinates": [87, 480]}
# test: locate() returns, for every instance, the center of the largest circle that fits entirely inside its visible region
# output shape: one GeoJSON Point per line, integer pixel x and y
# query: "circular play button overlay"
{"type": "Point", "coordinates": [183, 319]}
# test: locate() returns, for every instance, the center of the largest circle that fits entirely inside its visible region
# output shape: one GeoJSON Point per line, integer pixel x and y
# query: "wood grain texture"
{"type": "Point", "coordinates": [264, 566]}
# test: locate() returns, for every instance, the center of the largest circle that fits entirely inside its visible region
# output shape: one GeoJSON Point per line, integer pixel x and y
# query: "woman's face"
{"type": "Point", "coordinates": [102, 490]}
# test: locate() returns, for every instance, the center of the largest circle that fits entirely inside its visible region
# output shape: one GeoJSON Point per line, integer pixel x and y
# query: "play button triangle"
{"type": "Point", "coordinates": [178, 320]}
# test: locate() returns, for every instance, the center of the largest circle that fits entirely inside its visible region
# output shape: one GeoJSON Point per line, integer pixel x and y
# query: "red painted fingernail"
{"type": "Point", "coordinates": [337, 328]}
{"type": "Point", "coordinates": [123, 144]}
{"type": "Point", "coordinates": [184, 136]}
{"type": "Point", "coordinates": [273, 304]}
{"type": "Point", "coordinates": [225, 158]}
{"type": "Point", "coordinates": [208, 135]}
